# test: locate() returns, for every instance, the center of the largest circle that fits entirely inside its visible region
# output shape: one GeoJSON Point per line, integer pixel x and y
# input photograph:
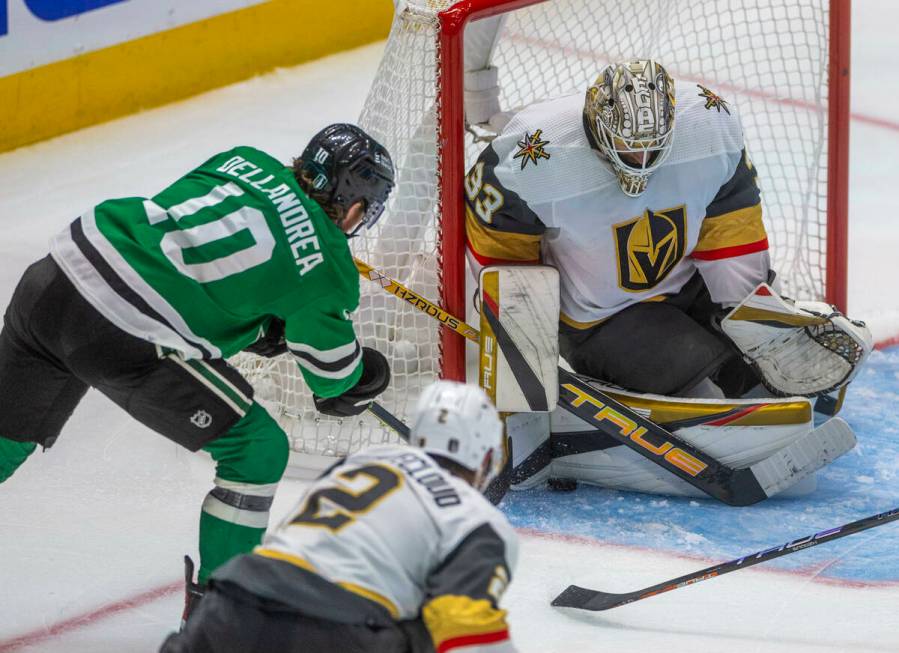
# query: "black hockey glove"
{"type": "Point", "coordinates": [272, 343]}
{"type": "Point", "coordinates": [374, 380]}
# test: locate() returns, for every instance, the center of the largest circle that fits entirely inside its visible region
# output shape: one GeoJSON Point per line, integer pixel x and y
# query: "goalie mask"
{"type": "Point", "coordinates": [457, 422]}
{"type": "Point", "coordinates": [629, 114]}
{"type": "Point", "coordinates": [342, 165]}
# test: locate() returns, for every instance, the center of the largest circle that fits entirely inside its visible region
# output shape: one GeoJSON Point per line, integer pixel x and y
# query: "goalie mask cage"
{"type": "Point", "coordinates": [782, 63]}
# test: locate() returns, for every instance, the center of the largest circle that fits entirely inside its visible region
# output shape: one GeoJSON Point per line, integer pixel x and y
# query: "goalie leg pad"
{"type": "Point", "coordinates": [531, 453]}
{"type": "Point", "coordinates": [519, 353]}
{"type": "Point", "coordinates": [738, 432]}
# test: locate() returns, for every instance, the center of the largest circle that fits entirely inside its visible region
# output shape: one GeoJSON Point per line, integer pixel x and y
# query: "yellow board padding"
{"type": "Point", "coordinates": [97, 86]}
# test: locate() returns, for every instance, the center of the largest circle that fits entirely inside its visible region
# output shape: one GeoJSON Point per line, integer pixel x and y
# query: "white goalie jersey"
{"type": "Point", "coordinates": [393, 527]}
{"type": "Point", "coordinates": [540, 193]}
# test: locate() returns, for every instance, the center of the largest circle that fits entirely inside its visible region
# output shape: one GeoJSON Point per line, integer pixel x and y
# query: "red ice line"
{"type": "Point", "coordinates": [63, 627]}
{"type": "Point", "coordinates": [889, 342]}
{"type": "Point", "coordinates": [57, 630]}
{"type": "Point", "coordinates": [592, 55]}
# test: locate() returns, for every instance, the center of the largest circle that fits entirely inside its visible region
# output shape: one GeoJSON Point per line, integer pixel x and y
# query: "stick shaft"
{"type": "Point", "coordinates": [424, 305]}
{"type": "Point", "coordinates": [579, 597]}
{"type": "Point", "coordinates": [389, 419]}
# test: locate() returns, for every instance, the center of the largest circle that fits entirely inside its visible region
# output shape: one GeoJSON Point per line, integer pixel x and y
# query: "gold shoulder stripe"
{"type": "Point", "coordinates": [490, 245]}
{"type": "Point", "coordinates": [734, 229]}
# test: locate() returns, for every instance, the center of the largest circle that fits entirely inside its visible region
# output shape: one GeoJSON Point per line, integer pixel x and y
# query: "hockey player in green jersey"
{"type": "Point", "coordinates": [144, 299]}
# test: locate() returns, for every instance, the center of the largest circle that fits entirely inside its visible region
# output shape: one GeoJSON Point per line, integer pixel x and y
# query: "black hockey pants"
{"type": "Point", "coordinates": [232, 620]}
{"type": "Point", "coordinates": [664, 347]}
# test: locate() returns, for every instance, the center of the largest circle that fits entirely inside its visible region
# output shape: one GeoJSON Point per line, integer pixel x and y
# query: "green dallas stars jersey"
{"type": "Point", "coordinates": [204, 265]}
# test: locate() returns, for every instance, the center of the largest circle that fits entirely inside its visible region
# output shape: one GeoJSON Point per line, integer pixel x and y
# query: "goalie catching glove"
{"type": "Point", "coordinates": [797, 347]}
{"type": "Point", "coordinates": [374, 380]}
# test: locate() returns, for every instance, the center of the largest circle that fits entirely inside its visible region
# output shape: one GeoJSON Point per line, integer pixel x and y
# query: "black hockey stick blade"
{"type": "Point", "coordinates": [582, 598]}
{"type": "Point", "coordinates": [389, 419]}
{"type": "Point", "coordinates": [594, 600]}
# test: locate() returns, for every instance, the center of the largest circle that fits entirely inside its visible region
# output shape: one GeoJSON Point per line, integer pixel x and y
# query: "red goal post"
{"type": "Point", "coordinates": [451, 128]}
{"type": "Point", "coordinates": [784, 64]}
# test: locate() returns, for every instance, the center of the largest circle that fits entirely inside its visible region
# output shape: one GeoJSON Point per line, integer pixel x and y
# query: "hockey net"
{"type": "Point", "coordinates": [775, 60]}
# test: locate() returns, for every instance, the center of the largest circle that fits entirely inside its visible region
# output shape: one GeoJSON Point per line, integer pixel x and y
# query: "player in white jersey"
{"type": "Point", "coordinates": [393, 549]}
{"type": "Point", "coordinates": [644, 198]}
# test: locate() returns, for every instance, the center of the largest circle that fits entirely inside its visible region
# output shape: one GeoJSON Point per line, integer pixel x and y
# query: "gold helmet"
{"type": "Point", "coordinates": [629, 112]}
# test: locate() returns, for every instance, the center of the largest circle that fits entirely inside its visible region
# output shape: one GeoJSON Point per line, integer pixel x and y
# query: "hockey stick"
{"type": "Point", "coordinates": [736, 487]}
{"type": "Point", "coordinates": [587, 599]}
{"type": "Point", "coordinates": [389, 419]}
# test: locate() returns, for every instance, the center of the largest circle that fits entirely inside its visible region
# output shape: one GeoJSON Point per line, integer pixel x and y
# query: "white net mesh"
{"type": "Point", "coordinates": [766, 57]}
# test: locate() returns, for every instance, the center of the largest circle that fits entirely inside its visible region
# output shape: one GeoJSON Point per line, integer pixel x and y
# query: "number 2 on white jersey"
{"type": "Point", "coordinates": [333, 507]}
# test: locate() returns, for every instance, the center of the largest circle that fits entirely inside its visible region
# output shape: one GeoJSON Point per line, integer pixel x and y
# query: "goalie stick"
{"type": "Point", "coordinates": [735, 487]}
{"type": "Point", "coordinates": [587, 599]}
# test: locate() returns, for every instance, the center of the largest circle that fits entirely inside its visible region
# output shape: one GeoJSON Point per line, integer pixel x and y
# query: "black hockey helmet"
{"type": "Point", "coordinates": [342, 165]}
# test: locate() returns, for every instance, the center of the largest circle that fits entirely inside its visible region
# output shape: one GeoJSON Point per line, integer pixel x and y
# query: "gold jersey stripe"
{"type": "Point", "coordinates": [570, 321]}
{"type": "Point", "coordinates": [489, 245]}
{"type": "Point", "coordinates": [295, 560]}
{"type": "Point", "coordinates": [734, 229]}
{"type": "Point", "coordinates": [302, 563]}
{"type": "Point", "coordinates": [371, 595]}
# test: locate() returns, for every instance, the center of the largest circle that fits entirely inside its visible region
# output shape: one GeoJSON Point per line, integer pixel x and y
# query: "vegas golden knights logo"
{"type": "Point", "coordinates": [649, 246]}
